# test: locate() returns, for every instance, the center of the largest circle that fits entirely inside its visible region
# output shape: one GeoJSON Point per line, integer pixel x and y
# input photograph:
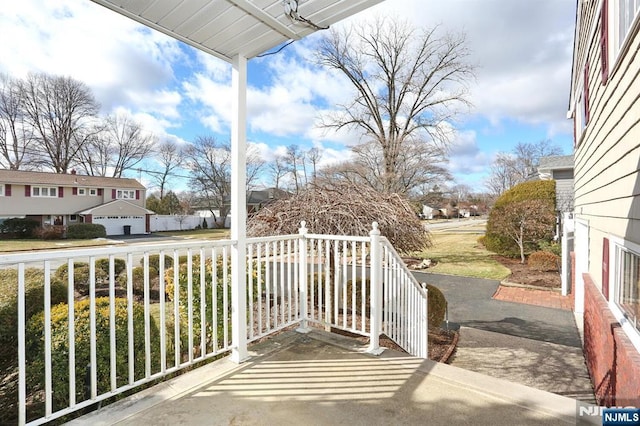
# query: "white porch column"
{"type": "Point", "coordinates": [376, 292]}
{"type": "Point", "coordinates": [239, 210]}
{"type": "Point", "coordinates": [303, 294]}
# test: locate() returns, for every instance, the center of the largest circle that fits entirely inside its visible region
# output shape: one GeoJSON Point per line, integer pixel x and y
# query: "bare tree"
{"type": "Point", "coordinates": [170, 157]}
{"type": "Point", "coordinates": [510, 169]}
{"type": "Point", "coordinates": [314, 155]}
{"type": "Point", "coordinates": [278, 170]}
{"type": "Point", "coordinates": [61, 112]}
{"type": "Point", "coordinates": [409, 83]}
{"type": "Point", "coordinates": [419, 165]}
{"type": "Point", "coordinates": [525, 222]}
{"type": "Point", "coordinates": [293, 160]}
{"type": "Point", "coordinates": [118, 145]}
{"type": "Point", "coordinates": [209, 162]}
{"type": "Point", "coordinates": [15, 135]}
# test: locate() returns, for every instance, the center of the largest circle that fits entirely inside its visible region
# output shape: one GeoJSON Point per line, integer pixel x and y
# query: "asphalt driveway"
{"type": "Point", "coordinates": [471, 305]}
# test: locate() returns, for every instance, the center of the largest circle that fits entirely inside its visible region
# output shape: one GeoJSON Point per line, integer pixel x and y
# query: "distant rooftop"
{"type": "Point", "coordinates": [556, 162]}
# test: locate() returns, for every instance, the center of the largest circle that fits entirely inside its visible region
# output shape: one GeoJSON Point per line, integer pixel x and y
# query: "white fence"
{"type": "Point", "coordinates": [177, 222]}
{"type": "Point", "coordinates": [131, 315]}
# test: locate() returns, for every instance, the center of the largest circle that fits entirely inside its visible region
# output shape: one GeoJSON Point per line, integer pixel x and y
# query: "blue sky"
{"type": "Point", "coordinates": [522, 50]}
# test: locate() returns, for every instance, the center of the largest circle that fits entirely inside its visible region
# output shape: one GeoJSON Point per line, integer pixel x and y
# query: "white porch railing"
{"type": "Point", "coordinates": [135, 314]}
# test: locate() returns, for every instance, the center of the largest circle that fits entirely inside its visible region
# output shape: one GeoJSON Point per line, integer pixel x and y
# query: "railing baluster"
{"type": "Point", "coordinates": [147, 315]}
{"type": "Point", "coordinates": [214, 298]}
{"type": "Point", "coordinates": [250, 289]}
{"type": "Point", "coordinates": [344, 284]}
{"type": "Point", "coordinates": [190, 305]}
{"type": "Point", "coordinates": [267, 285]}
{"type": "Point", "coordinates": [176, 309]}
{"type": "Point", "coordinates": [354, 283]}
{"type": "Point", "coordinates": [92, 326]}
{"type": "Point", "coordinates": [260, 291]}
{"type": "Point", "coordinates": [47, 337]}
{"type": "Point", "coordinates": [163, 314]}
{"type": "Point", "coordinates": [112, 324]}
{"type": "Point", "coordinates": [22, 364]}
{"type": "Point", "coordinates": [130, 336]}
{"type": "Point", "coordinates": [225, 295]}
{"type": "Point", "coordinates": [72, 333]}
{"type": "Point", "coordinates": [203, 305]}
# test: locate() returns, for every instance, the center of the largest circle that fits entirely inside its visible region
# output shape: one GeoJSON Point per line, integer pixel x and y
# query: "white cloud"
{"type": "Point", "coordinates": [121, 61]}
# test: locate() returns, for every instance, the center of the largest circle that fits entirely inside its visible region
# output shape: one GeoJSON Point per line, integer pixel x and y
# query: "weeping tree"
{"type": "Point", "coordinates": [343, 208]}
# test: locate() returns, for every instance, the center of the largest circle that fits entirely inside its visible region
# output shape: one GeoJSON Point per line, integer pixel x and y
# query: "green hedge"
{"type": "Point", "coordinates": [17, 227]}
{"type": "Point", "coordinates": [34, 303]}
{"type": "Point", "coordinates": [498, 242]}
{"type": "Point", "coordinates": [84, 231]}
{"type": "Point", "coordinates": [60, 347]}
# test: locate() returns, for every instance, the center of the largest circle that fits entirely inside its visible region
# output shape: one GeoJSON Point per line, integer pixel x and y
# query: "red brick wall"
{"type": "Point", "coordinates": [612, 360]}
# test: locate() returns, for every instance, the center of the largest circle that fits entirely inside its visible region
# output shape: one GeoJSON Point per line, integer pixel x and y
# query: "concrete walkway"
{"type": "Point", "coordinates": [532, 345]}
{"type": "Point", "coordinates": [326, 379]}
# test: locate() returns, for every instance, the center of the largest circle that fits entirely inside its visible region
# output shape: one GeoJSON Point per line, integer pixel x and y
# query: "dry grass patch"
{"type": "Point", "coordinates": [458, 253]}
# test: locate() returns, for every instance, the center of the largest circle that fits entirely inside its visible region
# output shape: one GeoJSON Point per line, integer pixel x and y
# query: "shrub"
{"type": "Point", "coordinates": [119, 265]}
{"type": "Point", "coordinates": [34, 303]}
{"type": "Point", "coordinates": [543, 261]}
{"type": "Point", "coordinates": [196, 292]}
{"type": "Point", "coordinates": [552, 246]}
{"type": "Point", "coordinates": [55, 232]}
{"type": "Point", "coordinates": [482, 240]}
{"type": "Point", "coordinates": [84, 231]}
{"type": "Point", "coordinates": [17, 227]}
{"type": "Point", "coordinates": [154, 261]}
{"type": "Point", "coordinates": [436, 305]}
{"type": "Point", "coordinates": [496, 240]}
{"type": "Point", "coordinates": [137, 278]}
{"type": "Point", "coordinates": [60, 347]}
{"type": "Point", "coordinates": [81, 276]}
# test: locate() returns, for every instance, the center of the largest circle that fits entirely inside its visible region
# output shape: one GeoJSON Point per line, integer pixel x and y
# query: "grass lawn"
{"type": "Point", "coordinates": [25, 245]}
{"type": "Point", "coordinates": [458, 253]}
{"type": "Point", "coordinates": [33, 244]}
{"type": "Point", "coordinates": [210, 234]}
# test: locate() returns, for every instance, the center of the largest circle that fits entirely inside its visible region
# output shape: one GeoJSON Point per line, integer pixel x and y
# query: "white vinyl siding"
{"type": "Point", "coordinates": [1, 189]}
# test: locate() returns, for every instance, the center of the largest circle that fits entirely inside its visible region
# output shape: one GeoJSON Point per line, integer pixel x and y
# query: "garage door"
{"type": "Point", "coordinates": [114, 225]}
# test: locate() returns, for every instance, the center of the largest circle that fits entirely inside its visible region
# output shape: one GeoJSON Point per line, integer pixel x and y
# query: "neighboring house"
{"type": "Point", "coordinates": [429, 212]}
{"type": "Point", "coordinates": [63, 199]}
{"type": "Point", "coordinates": [605, 107]}
{"type": "Point", "coordinates": [258, 199]}
{"type": "Point", "coordinates": [560, 169]}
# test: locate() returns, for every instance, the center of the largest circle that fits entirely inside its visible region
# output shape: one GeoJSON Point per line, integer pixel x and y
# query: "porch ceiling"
{"type": "Point", "coordinates": [226, 28]}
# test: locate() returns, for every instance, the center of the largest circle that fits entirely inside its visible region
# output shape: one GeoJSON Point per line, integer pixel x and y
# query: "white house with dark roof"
{"type": "Point", "coordinates": [63, 199]}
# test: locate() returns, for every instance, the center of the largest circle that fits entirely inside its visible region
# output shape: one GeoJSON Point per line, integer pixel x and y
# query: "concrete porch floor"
{"type": "Point", "coordinates": [328, 379]}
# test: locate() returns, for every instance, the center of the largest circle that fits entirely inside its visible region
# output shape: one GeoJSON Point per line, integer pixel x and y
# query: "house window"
{"type": "Point", "coordinates": [627, 12]}
{"type": "Point", "coordinates": [73, 218]}
{"type": "Point", "coordinates": [628, 285]}
{"type": "Point", "coordinates": [126, 194]}
{"type": "Point", "coordinates": [82, 191]}
{"type": "Point", "coordinates": [624, 286]}
{"type": "Point", "coordinates": [44, 191]}
{"type": "Point", "coordinates": [93, 192]}
{"type": "Point", "coordinates": [621, 17]}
